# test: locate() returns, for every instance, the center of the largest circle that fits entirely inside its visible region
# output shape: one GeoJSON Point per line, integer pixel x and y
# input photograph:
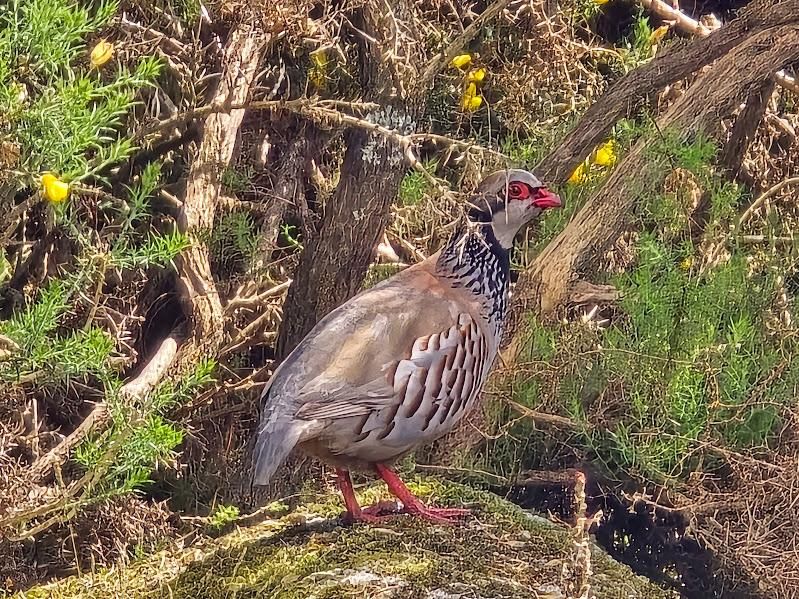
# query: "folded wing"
{"type": "Point", "coordinates": [375, 377]}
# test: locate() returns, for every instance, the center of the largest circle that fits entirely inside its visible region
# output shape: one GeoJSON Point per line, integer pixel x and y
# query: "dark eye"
{"type": "Point", "coordinates": [518, 191]}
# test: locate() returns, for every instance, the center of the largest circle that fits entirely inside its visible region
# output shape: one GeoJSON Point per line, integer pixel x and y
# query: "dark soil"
{"type": "Point", "coordinates": [654, 542]}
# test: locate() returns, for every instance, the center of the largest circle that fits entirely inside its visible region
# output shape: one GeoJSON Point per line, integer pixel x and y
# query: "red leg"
{"type": "Point", "coordinates": [354, 511]}
{"type": "Point", "coordinates": [412, 503]}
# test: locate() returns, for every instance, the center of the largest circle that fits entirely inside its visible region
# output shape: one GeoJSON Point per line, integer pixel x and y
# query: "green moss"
{"type": "Point", "coordinates": [501, 552]}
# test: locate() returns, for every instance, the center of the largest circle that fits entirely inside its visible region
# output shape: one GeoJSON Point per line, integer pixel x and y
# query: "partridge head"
{"type": "Point", "coordinates": [400, 364]}
{"type": "Point", "coordinates": [509, 199]}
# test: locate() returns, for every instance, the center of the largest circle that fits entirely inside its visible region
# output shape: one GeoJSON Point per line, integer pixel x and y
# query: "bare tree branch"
{"type": "Point", "coordinates": [672, 64]}
{"type": "Point", "coordinates": [205, 178]}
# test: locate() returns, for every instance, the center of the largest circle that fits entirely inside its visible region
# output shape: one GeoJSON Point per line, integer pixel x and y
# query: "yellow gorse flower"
{"type": "Point", "coordinates": [474, 104]}
{"type": "Point", "coordinates": [658, 34]}
{"type": "Point", "coordinates": [580, 175]}
{"type": "Point", "coordinates": [461, 61]}
{"type": "Point", "coordinates": [686, 263]}
{"type": "Point", "coordinates": [101, 53]}
{"type": "Point", "coordinates": [55, 190]}
{"type": "Point", "coordinates": [606, 154]}
{"type": "Point", "coordinates": [476, 75]}
{"type": "Point", "coordinates": [471, 100]}
{"type": "Point", "coordinates": [319, 68]}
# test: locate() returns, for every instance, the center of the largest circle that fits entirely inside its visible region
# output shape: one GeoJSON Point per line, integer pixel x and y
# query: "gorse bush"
{"type": "Point", "coordinates": [691, 358]}
{"type": "Point", "coordinates": [69, 116]}
{"type": "Point", "coordinates": [64, 115]}
{"type": "Point", "coordinates": [45, 356]}
{"type": "Point", "coordinates": [140, 438]}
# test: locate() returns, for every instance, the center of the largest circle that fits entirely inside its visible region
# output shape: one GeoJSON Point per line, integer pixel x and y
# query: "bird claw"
{"type": "Point", "coordinates": [437, 514]}
{"type": "Point", "coordinates": [385, 510]}
{"type": "Point", "coordinates": [374, 514]}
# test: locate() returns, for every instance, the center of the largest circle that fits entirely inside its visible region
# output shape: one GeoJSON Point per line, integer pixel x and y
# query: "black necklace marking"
{"type": "Point", "coordinates": [475, 260]}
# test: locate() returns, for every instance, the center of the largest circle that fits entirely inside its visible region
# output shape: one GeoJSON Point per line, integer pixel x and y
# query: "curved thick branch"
{"type": "Point", "coordinates": [672, 64]}
{"type": "Point", "coordinates": [714, 94]}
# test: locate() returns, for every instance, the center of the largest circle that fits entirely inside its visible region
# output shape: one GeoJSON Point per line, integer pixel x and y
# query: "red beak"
{"type": "Point", "coordinates": [547, 199]}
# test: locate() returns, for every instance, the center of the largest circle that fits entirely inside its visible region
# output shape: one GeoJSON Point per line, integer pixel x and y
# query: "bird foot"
{"type": "Point", "coordinates": [385, 510]}
{"type": "Point", "coordinates": [374, 514]}
{"type": "Point", "coordinates": [438, 515]}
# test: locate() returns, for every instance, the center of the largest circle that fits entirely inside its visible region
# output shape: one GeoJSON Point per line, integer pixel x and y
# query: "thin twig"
{"type": "Point", "coordinates": [258, 299]}
{"type": "Point", "coordinates": [96, 418]}
{"type": "Point", "coordinates": [777, 240]}
{"type": "Point", "coordinates": [16, 213]}
{"type": "Point", "coordinates": [540, 417]}
{"type": "Point", "coordinates": [457, 45]}
{"type": "Point", "coordinates": [762, 199]}
{"type": "Point", "coordinates": [232, 204]}
{"type": "Point", "coordinates": [248, 333]}
{"type": "Point", "coordinates": [298, 105]}
{"type": "Point", "coordinates": [688, 25]}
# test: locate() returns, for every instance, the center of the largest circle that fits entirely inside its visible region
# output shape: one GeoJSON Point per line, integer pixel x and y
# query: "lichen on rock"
{"type": "Point", "coordinates": [500, 552]}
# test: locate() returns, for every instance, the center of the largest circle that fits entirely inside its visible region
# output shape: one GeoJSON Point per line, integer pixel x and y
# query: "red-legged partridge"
{"type": "Point", "coordinates": [400, 364]}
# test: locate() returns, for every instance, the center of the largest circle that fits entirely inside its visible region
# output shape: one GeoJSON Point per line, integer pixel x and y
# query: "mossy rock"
{"type": "Point", "coordinates": [501, 552]}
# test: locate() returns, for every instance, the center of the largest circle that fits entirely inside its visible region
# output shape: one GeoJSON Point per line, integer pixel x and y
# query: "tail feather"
{"type": "Point", "coordinates": [275, 442]}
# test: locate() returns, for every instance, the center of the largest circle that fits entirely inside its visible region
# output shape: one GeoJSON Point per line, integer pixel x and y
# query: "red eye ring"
{"type": "Point", "coordinates": [519, 191]}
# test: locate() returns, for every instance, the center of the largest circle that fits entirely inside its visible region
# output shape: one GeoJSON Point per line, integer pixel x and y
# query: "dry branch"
{"type": "Point", "coordinates": [220, 131]}
{"type": "Point", "coordinates": [550, 420]}
{"type": "Point", "coordinates": [763, 197]}
{"type": "Point", "coordinates": [154, 371]}
{"type": "Point", "coordinates": [672, 64]}
{"type": "Point", "coordinates": [14, 215]}
{"type": "Point", "coordinates": [688, 25]}
{"type": "Point", "coordinates": [583, 292]}
{"type": "Point", "coordinates": [97, 418]}
{"type": "Point", "coordinates": [745, 127]}
{"type": "Point", "coordinates": [714, 94]}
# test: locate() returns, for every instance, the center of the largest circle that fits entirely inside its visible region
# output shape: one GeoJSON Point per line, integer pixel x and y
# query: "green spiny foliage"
{"type": "Point", "coordinates": [234, 241]}
{"type": "Point", "coordinates": [136, 245]}
{"type": "Point", "coordinates": [64, 115]}
{"type": "Point", "coordinates": [414, 186]}
{"type": "Point", "coordinates": [140, 438]}
{"type": "Point", "coordinates": [691, 358]}
{"type": "Point", "coordinates": [223, 515]}
{"type": "Point", "coordinates": [156, 249]}
{"type": "Point", "coordinates": [49, 357]}
{"type": "Point", "coordinates": [637, 48]}
{"type": "Point", "coordinates": [532, 148]}
{"type": "Point", "coordinates": [583, 10]}
{"type": "Point", "coordinates": [236, 180]}
{"type": "Point", "coordinates": [44, 37]}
